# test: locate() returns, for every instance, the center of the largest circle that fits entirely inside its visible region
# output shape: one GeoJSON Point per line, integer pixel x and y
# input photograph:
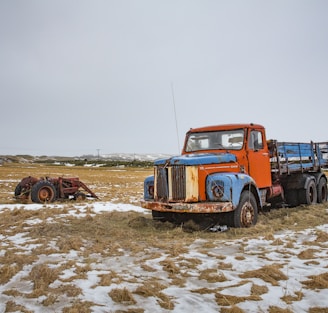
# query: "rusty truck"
{"type": "Point", "coordinates": [228, 173]}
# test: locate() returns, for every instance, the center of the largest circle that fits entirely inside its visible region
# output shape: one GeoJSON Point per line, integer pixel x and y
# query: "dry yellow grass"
{"type": "Point", "coordinates": [233, 309]}
{"type": "Point", "coordinates": [307, 254]}
{"type": "Point", "coordinates": [259, 289]}
{"type": "Point", "coordinates": [275, 309]}
{"type": "Point", "coordinates": [318, 310]}
{"type": "Point", "coordinates": [212, 275]}
{"type": "Point", "coordinates": [11, 306]}
{"type": "Point", "coordinates": [125, 185]}
{"type": "Point", "coordinates": [268, 273]}
{"type": "Point", "coordinates": [229, 300]}
{"type": "Point", "coordinates": [109, 183]}
{"type": "Point", "coordinates": [117, 235]}
{"type": "Point", "coordinates": [122, 296]}
{"type": "Point", "coordinates": [153, 288]}
{"type": "Point", "coordinates": [317, 281]}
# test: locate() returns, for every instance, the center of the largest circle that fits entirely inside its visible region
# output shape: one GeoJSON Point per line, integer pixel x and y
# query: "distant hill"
{"type": "Point", "coordinates": [104, 158]}
{"type": "Point", "coordinates": [134, 156]}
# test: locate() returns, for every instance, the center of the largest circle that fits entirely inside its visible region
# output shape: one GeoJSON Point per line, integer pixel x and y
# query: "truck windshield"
{"type": "Point", "coordinates": [215, 140]}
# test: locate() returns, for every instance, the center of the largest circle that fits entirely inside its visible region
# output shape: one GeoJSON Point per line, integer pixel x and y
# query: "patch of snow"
{"type": "Point", "coordinates": [256, 253]}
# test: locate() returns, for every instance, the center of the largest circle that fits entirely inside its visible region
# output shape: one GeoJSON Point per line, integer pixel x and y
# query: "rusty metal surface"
{"type": "Point", "coordinates": [65, 187]}
{"type": "Point", "coordinates": [199, 207]}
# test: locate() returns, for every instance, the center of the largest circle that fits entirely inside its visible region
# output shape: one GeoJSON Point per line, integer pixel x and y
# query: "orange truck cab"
{"type": "Point", "coordinates": [228, 172]}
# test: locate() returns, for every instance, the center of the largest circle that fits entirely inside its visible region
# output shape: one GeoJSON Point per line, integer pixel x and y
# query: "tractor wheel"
{"type": "Point", "coordinates": [246, 212]}
{"type": "Point", "coordinates": [79, 196]}
{"type": "Point", "coordinates": [309, 194]}
{"type": "Point", "coordinates": [18, 190]}
{"type": "Point", "coordinates": [21, 192]}
{"type": "Point", "coordinates": [43, 191]}
{"type": "Point", "coordinates": [322, 190]}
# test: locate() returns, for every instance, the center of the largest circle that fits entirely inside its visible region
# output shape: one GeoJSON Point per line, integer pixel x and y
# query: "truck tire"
{"type": "Point", "coordinates": [246, 212]}
{"type": "Point", "coordinates": [43, 191]}
{"type": "Point", "coordinates": [308, 195]}
{"type": "Point", "coordinates": [322, 190]}
{"type": "Point", "coordinates": [292, 198]}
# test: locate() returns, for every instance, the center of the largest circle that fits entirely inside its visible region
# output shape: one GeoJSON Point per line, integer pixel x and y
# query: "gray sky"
{"type": "Point", "coordinates": [78, 75]}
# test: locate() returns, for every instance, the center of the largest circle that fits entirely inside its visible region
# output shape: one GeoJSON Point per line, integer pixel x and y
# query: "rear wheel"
{"type": "Point", "coordinates": [246, 212]}
{"type": "Point", "coordinates": [322, 190]}
{"type": "Point", "coordinates": [43, 191]}
{"type": "Point", "coordinates": [292, 198]}
{"type": "Point", "coordinates": [21, 192]}
{"type": "Point", "coordinates": [309, 194]}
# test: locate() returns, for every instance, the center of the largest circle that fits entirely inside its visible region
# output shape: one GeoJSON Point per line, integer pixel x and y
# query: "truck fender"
{"type": "Point", "coordinates": [301, 189]}
{"type": "Point", "coordinates": [299, 181]}
{"type": "Point", "coordinates": [305, 180]}
{"type": "Point", "coordinates": [318, 176]}
{"type": "Point", "coordinates": [227, 187]}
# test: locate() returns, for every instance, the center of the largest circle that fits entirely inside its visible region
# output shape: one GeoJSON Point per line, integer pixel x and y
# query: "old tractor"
{"type": "Point", "coordinates": [47, 189]}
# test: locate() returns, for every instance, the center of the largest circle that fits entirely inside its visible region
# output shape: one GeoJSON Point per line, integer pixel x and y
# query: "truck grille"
{"type": "Point", "coordinates": [162, 188]}
{"type": "Point", "coordinates": [174, 176]}
{"type": "Point", "coordinates": [178, 183]}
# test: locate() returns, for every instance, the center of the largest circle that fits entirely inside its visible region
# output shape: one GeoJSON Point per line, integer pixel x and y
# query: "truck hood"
{"type": "Point", "coordinates": [198, 159]}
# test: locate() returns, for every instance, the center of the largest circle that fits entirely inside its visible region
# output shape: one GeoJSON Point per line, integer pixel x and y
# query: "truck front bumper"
{"type": "Point", "coordinates": [182, 207]}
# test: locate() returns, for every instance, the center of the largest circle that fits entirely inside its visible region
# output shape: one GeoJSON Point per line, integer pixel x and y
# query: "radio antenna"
{"type": "Point", "coordinates": [175, 116]}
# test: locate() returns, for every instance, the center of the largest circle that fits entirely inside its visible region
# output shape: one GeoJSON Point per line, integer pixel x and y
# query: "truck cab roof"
{"type": "Point", "coordinates": [225, 127]}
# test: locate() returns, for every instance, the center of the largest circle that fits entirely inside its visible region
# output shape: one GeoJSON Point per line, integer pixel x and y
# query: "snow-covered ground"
{"type": "Point", "coordinates": [288, 271]}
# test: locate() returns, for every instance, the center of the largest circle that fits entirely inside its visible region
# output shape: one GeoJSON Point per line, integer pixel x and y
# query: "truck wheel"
{"type": "Point", "coordinates": [292, 198]}
{"type": "Point", "coordinates": [322, 190]}
{"type": "Point", "coordinates": [246, 213]}
{"type": "Point", "coordinates": [308, 195]}
{"type": "Point", "coordinates": [43, 191]}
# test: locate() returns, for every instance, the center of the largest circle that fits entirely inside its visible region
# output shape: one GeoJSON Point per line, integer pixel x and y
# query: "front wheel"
{"type": "Point", "coordinates": [18, 190]}
{"type": "Point", "coordinates": [246, 212]}
{"type": "Point", "coordinates": [21, 192]}
{"type": "Point", "coordinates": [43, 191]}
{"type": "Point", "coordinates": [80, 196]}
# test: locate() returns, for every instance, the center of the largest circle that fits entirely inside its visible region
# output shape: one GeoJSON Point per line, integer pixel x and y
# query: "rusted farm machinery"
{"type": "Point", "coordinates": [47, 189]}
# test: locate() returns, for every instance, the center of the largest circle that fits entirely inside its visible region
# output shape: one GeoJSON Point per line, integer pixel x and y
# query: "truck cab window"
{"type": "Point", "coordinates": [255, 140]}
{"type": "Point", "coordinates": [216, 140]}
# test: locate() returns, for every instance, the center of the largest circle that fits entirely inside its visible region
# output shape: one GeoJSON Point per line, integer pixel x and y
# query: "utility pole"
{"type": "Point", "coordinates": [98, 153]}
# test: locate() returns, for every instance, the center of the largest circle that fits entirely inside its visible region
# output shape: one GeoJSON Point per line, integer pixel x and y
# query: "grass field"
{"type": "Point", "coordinates": [65, 257]}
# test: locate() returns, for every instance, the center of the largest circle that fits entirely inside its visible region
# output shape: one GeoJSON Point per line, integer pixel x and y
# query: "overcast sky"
{"type": "Point", "coordinates": [77, 75]}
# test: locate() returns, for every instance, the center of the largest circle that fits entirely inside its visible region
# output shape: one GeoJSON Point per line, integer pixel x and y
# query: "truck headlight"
{"type": "Point", "coordinates": [151, 191]}
{"type": "Point", "coordinates": [219, 186]}
{"type": "Point", "coordinates": [218, 191]}
{"type": "Point", "coordinates": [149, 188]}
